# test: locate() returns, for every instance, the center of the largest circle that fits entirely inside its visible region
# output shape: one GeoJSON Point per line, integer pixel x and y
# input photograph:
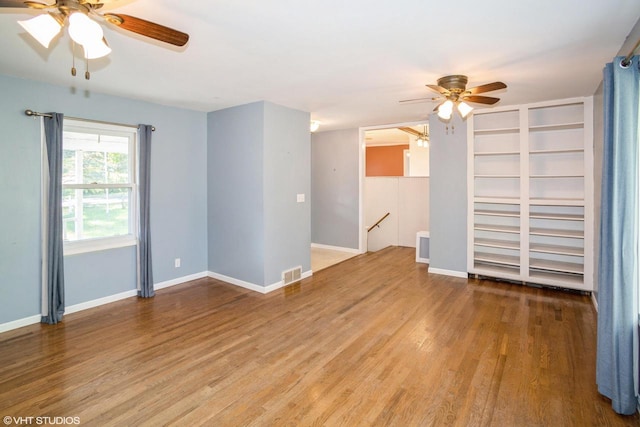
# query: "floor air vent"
{"type": "Point", "coordinates": [293, 275]}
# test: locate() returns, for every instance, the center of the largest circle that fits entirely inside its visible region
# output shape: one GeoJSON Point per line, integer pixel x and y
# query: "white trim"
{"type": "Point", "coordinates": [362, 232]}
{"type": "Point", "coordinates": [387, 144]}
{"type": "Point", "coordinates": [15, 324]}
{"type": "Point", "coordinates": [179, 280]}
{"type": "Point", "coordinates": [253, 286]}
{"type": "Point", "coordinates": [461, 274]}
{"type": "Point", "coordinates": [100, 301]}
{"type": "Point", "coordinates": [336, 248]}
{"type": "Point", "coordinates": [362, 150]}
{"type": "Point", "coordinates": [420, 235]}
{"type": "Point", "coordinates": [31, 320]}
{"type": "Point", "coordinates": [237, 282]}
{"type": "Point", "coordinates": [95, 245]}
{"type": "Point", "coordinates": [594, 301]}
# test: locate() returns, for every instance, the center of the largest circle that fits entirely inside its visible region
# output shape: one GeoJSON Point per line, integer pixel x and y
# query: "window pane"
{"type": "Point", "coordinates": [95, 213]}
{"type": "Point", "coordinates": [92, 158]}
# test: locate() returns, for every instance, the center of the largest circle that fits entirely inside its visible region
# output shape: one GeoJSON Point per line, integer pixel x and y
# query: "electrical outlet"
{"type": "Point", "coordinates": [176, 263]}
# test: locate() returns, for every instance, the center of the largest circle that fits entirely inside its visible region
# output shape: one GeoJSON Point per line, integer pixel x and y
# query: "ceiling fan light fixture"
{"type": "Point", "coordinates": [43, 28]}
{"type": "Point", "coordinates": [445, 110]}
{"type": "Point", "coordinates": [83, 30]}
{"type": "Point", "coordinates": [464, 109]}
{"type": "Point", "coordinates": [96, 50]}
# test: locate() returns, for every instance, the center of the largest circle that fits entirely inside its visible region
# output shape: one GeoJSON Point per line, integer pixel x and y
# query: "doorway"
{"type": "Point", "coordinates": [394, 185]}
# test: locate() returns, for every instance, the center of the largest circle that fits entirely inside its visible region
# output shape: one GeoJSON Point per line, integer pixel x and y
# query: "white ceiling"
{"type": "Point", "coordinates": [346, 62]}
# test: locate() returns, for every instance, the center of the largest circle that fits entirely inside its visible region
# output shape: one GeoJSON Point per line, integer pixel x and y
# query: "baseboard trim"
{"type": "Point", "coordinates": [422, 260]}
{"type": "Point", "coordinates": [453, 273]}
{"type": "Point", "coordinates": [15, 324]}
{"type": "Point", "coordinates": [252, 286]}
{"type": "Point", "coordinates": [31, 320]}
{"type": "Point", "coordinates": [100, 301]}
{"type": "Point", "coordinates": [335, 248]}
{"type": "Point", "coordinates": [237, 282]}
{"type": "Point", "coordinates": [179, 280]}
{"type": "Point", "coordinates": [594, 301]}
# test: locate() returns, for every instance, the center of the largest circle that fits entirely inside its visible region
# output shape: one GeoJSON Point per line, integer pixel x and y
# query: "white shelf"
{"type": "Point", "coordinates": [496, 131]}
{"type": "Point", "coordinates": [556, 249]}
{"type": "Point", "coordinates": [498, 200]}
{"type": "Point", "coordinates": [556, 216]}
{"type": "Point", "coordinates": [557, 279]}
{"type": "Point", "coordinates": [487, 212]}
{"type": "Point", "coordinates": [496, 153]}
{"type": "Point", "coordinates": [558, 151]}
{"type": "Point", "coordinates": [556, 176]}
{"type": "Point", "coordinates": [557, 266]}
{"type": "Point", "coordinates": [540, 190]}
{"type": "Point", "coordinates": [492, 270]}
{"type": "Point", "coordinates": [497, 259]}
{"type": "Point", "coordinates": [498, 228]}
{"type": "Point", "coordinates": [556, 202]}
{"type": "Point", "coordinates": [553, 232]}
{"type": "Point", "coordinates": [494, 243]}
{"type": "Point", "coordinates": [554, 127]}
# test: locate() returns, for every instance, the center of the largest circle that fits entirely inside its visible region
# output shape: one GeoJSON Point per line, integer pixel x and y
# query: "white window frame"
{"type": "Point", "coordinates": [104, 243]}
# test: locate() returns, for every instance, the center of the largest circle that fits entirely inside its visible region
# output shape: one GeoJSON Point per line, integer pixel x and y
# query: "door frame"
{"type": "Point", "coordinates": [362, 230]}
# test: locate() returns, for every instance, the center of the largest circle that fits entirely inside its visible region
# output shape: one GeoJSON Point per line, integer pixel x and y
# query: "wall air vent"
{"type": "Point", "coordinates": [291, 276]}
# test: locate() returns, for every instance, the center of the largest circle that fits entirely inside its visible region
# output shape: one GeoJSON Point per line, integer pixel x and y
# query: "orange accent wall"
{"type": "Point", "coordinates": [386, 160]}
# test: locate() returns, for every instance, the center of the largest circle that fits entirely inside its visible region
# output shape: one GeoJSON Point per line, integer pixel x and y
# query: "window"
{"type": "Point", "coordinates": [98, 186]}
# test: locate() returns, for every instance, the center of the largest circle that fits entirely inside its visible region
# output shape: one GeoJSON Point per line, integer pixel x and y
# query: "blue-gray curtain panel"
{"type": "Point", "coordinates": [53, 264]}
{"type": "Point", "coordinates": [617, 360]}
{"type": "Point", "coordinates": [144, 238]}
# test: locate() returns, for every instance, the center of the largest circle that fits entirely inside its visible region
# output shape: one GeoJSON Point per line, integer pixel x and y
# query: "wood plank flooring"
{"type": "Point", "coordinates": [374, 340]}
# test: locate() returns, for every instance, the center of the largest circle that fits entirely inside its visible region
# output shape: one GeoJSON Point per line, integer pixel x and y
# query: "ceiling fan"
{"type": "Point", "coordinates": [453, 92]}
{"type": "Point", "coordinates": [422, 138]}
{"type": "Point", "coordinates": [80, 16]}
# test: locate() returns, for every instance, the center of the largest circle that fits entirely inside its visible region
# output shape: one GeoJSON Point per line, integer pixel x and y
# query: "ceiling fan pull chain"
{"type": "Point", "coordinates": [87, 75]}
{"type": "Point", "coordinates": [73, 56]}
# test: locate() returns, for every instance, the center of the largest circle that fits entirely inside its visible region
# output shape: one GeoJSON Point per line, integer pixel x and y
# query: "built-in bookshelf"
{"type": "Point", "coordinates": [531, 193]}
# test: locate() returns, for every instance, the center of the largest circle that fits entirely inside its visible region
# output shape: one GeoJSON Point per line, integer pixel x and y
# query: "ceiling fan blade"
{"type": "Point", "coordinates": [486, 88]}
{"type": "Point", "coordinates": [12, 3]}
{"type": "Point", "coordinates": [481, 99]}
{"type": "Point", "coordinates": [410, 131]}
{"type": "Point", "coordinates": [148, 29]}
{"type": "Point", "coordinates": [438, 89]}
{"type": "Point", "coordinates": [418, 100]}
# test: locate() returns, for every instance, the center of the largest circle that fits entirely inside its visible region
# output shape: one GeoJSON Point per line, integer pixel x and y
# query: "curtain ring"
{"type": "Point", "coordinates": [625, 63]}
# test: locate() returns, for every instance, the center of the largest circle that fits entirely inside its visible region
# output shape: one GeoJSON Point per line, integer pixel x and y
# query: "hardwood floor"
{"type": "Point", "coordinates": [322, 258]}
{"type": "Point", "coordinates": [374, 340]}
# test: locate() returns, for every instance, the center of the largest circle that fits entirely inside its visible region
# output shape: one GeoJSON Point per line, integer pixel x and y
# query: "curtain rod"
{"type": "Point", "coordinates": [627, 60]}
{"type": "Point", "coordinates": [32, 113]}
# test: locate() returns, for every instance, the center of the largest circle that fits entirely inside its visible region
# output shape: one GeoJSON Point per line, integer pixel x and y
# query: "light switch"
{"type": "Point", "coordinates": [300, 198]}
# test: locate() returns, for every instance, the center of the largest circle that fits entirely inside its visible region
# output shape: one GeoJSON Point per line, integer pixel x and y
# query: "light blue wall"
{"type": "Point", "coordinates": [178, 195]}
{"type": "Point", "coordinates": [335, 187]}
{"type": "Point", "coordinates": [80, 281]}
{"type": "Point", "coordinates": [448, 191]}
{"type": "Point", "coordinates": [287, 158]}
{"type": "Point", "coordinates": [235, 193]}
{"type": "Point", "coordinates": [258, 160]}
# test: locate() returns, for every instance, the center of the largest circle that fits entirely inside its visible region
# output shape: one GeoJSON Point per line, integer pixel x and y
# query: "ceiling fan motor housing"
{"type": "Point", "coordinates": [456, 83]}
